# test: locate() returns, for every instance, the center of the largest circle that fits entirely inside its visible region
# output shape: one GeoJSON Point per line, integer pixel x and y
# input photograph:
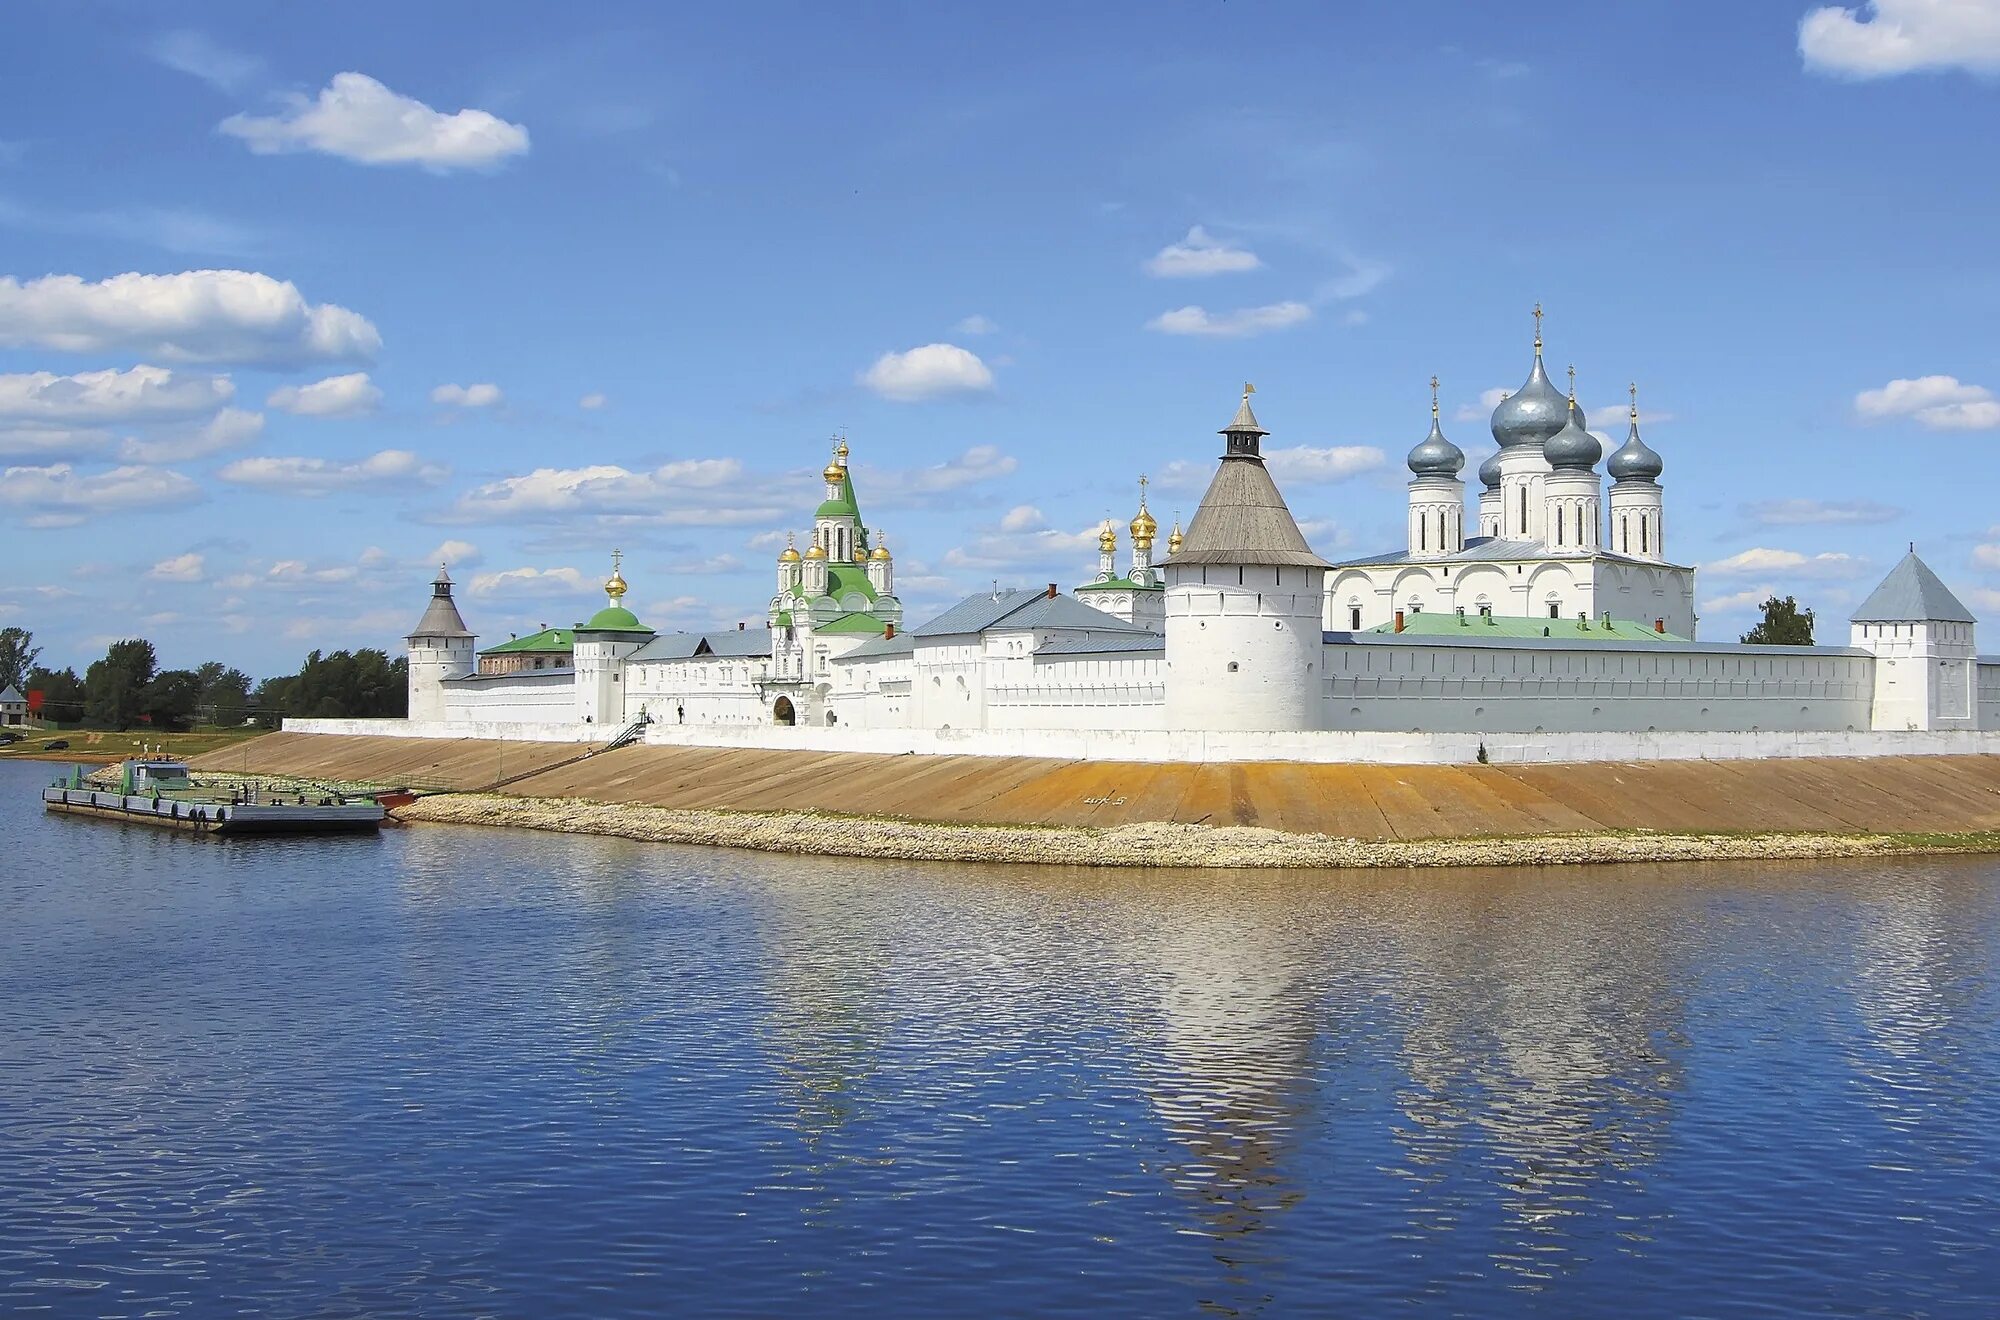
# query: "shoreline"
{"type": "Point", "coordinates": [1157, 844]}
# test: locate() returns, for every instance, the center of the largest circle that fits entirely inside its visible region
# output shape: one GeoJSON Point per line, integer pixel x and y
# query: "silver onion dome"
{"type": "Point", "coordinates": [1635, 460]}
{"type": "Point", "coordinates": [1532, 413]}
{"type": "Point", "coordinates": [1573, 448]}
{"type": "Point", "coordinates": [1489, 471]}
{"type": "Point", "coordinates": [1436, 456]}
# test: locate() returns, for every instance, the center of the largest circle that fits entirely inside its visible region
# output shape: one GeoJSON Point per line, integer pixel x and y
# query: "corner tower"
{"type": "Point", "coordinates": [1244, 601]}
{"type": "Point", "coordinates": [1926, 660]}
{"type": "Point", "coordinates": [439, 647]}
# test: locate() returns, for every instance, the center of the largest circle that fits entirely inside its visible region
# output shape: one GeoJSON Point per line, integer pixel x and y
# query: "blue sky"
{"type": "Point", "coordinates": [297, 297]}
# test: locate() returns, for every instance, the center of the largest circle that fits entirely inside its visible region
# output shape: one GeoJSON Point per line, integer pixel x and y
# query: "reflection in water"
{"type": "Point", "coordinates": [466, 1072]}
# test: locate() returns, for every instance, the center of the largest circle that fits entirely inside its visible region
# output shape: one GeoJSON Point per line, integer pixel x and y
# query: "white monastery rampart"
{"type": "Point", "coordinates": [1546, 622]}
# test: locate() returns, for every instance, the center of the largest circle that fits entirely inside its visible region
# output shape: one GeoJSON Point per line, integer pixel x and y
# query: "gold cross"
{"type": "Point", "coordinates": [1142, 489]}
{"type": "Point", "coordinates": [617, 557]}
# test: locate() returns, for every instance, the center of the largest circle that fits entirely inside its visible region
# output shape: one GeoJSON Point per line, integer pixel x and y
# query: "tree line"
{"type": "Point", "coordinates": [127, 687]}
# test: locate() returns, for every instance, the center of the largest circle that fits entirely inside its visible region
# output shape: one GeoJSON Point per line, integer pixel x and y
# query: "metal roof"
{"type": "Point", "coordinates": [735, 643]}
{"type": "Point", "coordinates": [1491, 549]}
{"type": "Point", "coordinates": [1046, 611]}
{"type": "Point", "coordinates": [1244, 520]}
{"type": "Point", "coordinates": [1145, 641]}
{"type": "Point", "coordinates": [881, 647]}
{"type": "Point", "coordinates": [1911, 594]}
{"type": "Point", "coordinates": [739, 643]}
{"type": "Point", "coordinates": [976, 613]}
{"type": "Point", "coordinates": [11, 696]}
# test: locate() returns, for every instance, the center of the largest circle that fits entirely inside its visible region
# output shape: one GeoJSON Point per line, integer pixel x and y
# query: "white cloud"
{"type": "Point", "coordinates": [1804, 512]}
{"type": "Point", "coordinates": [1882, 38]}
{"type": "Point", "coordinates": [358, 119]}
{"type": "Point", "coordinates": [1979, 598]}
{"type": "Point", "coordinates": [467, 396]}
{"type": "Point", "coordinates": [454, 552]}
{"type": "Point", "coordinates": [1939, 403]}
{"type": "Point", "coordinates": [33, 440]}
{"type": "Point", "coordinates": [296, 573]}
{"type": "Point", "coordinates": [1762, 561]}
{"type": "Point", "coordinates": [139, 394]}
{"type": "Point", "coordinates": [58, 496]}
{"type": "Point", "coordinates": [688, 486]}
{"type": "Point", "coordinates": [1023, 518]}
{"type": "Point", "coordinates": [321, 476]}
{"type": "Point", "coordinates": [591, 402]}
{"type": "Point", "coordinates": [1359, 279]}
{"type": "Point", "coordinates": [1047, 549]}
{"type": "Point", "coordinates": [975, 324]}
{"type": "Point", "coordinates": [1238, 324]}
{"type": "Point", "coordinates": [1200, 253]}
{"type": "Point", "coordinates": [193, 316]}
{"type": "Point", "coordinates": [199, 56]}
{"type": "Point", "coordinates": [189, 567]}
{"type": "Point", "coordinates": [232, 428]}
{"type": "Point", "coordinates": [929, 372]}
{"type": "Point", "coordinates": [904, 487]}
{"type": "Point", "coordinates": [1738, 602]}
{"type": "Point", "coordinates": [336, 396]}
{"type": "Point", "coordinates": [1306, 465]}
{"type": "Point", "coordinates": [1483, 410]}
{"type": "Point", "coordinates": [526, 582]}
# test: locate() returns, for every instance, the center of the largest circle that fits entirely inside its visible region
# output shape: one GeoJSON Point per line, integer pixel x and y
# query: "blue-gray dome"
{"type": "Point", "coordinates": [1489, 471]}
{"type": "Point", "coordinates": [1532, 413]}
{"type": "Point", "coordinates": [1436, 456]}
{"type": "Point", "coordinates": [1573, 448]}
{"type": "Point", "coordinates": [1634, 460]}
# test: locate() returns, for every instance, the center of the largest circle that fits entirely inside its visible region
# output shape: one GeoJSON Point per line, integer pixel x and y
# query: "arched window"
{"type": "Point", "coordinates": [1643, 520]}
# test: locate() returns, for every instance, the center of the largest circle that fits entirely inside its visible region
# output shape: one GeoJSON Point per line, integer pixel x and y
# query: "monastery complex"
{"type": "Point", "coordinates": [1548, 606]}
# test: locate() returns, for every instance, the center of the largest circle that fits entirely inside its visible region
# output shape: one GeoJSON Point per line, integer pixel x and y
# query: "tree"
{"type": "Point", "coordinates": [113, 686]}
{"type": "Point", "coordinates": [225, 693]}
{"type": "Point", "coordinates": [362, 684]}
{"type": "Point", "coordinates": [62, 694]}
{"type": "Point", "coordinates": [18, 654]}
{"type": "Point", "coordinates": [170, 700]}
{"type": "Point", "coordinates": [1784, 624]}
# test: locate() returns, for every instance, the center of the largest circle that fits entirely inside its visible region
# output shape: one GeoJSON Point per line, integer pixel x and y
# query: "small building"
{"type": "Point", "coordinates": [551, 648]}
{"type": "Point", "coordinates": [13, 708]}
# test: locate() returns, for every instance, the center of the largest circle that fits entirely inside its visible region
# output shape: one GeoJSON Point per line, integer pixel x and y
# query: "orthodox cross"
{"type": "Point", "coordinates": [1434, 397]}
{"type": "Point", "coordinates": [1633, 390]}
{"type": "Point", "coordinates": [1538, 325]}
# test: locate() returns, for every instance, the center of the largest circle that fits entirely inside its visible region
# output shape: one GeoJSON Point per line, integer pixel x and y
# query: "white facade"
{"type": "Point", "coordinates": [1243, 646]}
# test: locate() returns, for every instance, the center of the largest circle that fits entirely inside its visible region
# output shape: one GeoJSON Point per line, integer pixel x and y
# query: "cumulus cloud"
{"type": "Point", "coordinates": [1306, 465]}
{"type": "Point", "coordinates": [690, 490]}
{"type": "Point", "coordinates": [323, 476]}
{"type": "Point", "coordinates": [1761, 561]}
{"type": "Point", "coordinates": [532, 582]}
{"type": "Point", "coordinates": [59, 496]}
{"type": "Point", "coordinates": [975, 324]}
{"type": "Point", "coordinates": [1738, 602]}
{"type": "Point", "coordinates": [189, 567]}
{"type": "Point", "coordinates": [1024, 538]}
{"type": "Point", "coordinates": [1883, 38]}
{"type": "Point", "coordinates": [193, 316]}
{"type": "Point", "coordinates": [356, 118]}
{"type": "Point", "coordinates": [907, 487]}
{"type": "Point", "coordinates": [468, 396]}
{"type": "Point", "coordinates": [1938, 403]}
{"type": "Point", "coordinates": [232, 428]}
{"type": "Point", "coordinates": [95, 397]}
{"type": "Point", "coordinates": [1483, 410]}
{"type": "Point", "coordinates": [453, 552]}
{"type": "Point", "coordinates": [591, 402]}
{"type": "Point", "coordinates": [1200, 253]}
{"type": "Point", "coordinates": [1804, 512]}
{"type": "Point", "coordinates": [929, 372]}
{"type": "Point", "coordinates": [336, 396]}
{"type": "Point", "coordinates": [1241, 323]}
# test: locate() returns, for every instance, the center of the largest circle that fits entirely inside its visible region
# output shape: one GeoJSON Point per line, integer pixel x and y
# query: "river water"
{"type": "Point", "coordinates": [465, 1072]}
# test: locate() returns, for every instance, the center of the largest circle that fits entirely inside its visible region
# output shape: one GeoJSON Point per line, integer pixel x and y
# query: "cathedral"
{"type": "Point", "coordinates": [1550, 607]}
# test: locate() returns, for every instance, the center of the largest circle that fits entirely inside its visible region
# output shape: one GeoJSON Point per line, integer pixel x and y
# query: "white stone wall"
{"type": "Point", "coordinates": [1114, 690]}
{"type": "Point", "coordinates": [1925, 674]}
{"type": "Point", "coordinates": [1525, 590]}
{"type": "Point", "coordinates": [698, 690]}
{"type": "Point", "coordinates": [1988, 687]}
{"type": "Point", "coordinates": [1448, 686]}
{"type": "Point", "coordinates": [873, 693]}
{"type": "Point", "coordinates": [531, 697]}
{"type": "Point", "coordinates": [432, 663]}
{"type": "Point", "coordinates": [1243, 647]}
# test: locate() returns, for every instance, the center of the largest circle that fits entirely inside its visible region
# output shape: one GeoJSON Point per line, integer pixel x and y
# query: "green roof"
{"type": "Point", "coordinates": [857, 622]}
{"type": "Point", "coordinates": [841, 505]}
{"type": "Point", "coordinates": [1429, 624]}
{"type": "Point", "coordinates": [1119, 584]}
{"type": "Point", "coordinates": [613, 618]}
{"type": "Point", "coordinates": [843, 578]}
{"type": "Point", "coordinates": [548, 639]}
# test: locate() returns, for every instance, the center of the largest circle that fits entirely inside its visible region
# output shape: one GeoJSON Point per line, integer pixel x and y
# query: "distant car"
{"type": "Point", "coordinates": [9, 739]}
{"type": "Point", "coordinates": [59, 745]}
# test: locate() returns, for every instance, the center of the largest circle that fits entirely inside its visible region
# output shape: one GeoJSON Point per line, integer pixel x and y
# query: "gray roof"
{"type": "Point", "coordinates": [732, 644]}
{"type": "Point", "coordinates": [877, 648]}
{"type": "Point", "coordinates": [1244, 520]}
{"type": "Point", "coordinates": [1495, 549]}
{"type": "Point", "coordinates": [1911, 594]}
{"type": "Point", "coordinates": [11, 696]}
{"type": "Point", "coordinates": [1017, 608]}
{"type": "Point", "coordinates": [1139, 641]}
{"type": "Point", "coordinates": [440, 616]}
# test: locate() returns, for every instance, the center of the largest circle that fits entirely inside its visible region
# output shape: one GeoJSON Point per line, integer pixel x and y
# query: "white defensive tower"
{"type": "Point", "coordinates": [1244, 595]}
{"type": "Point", "coordinates": [439, 647]}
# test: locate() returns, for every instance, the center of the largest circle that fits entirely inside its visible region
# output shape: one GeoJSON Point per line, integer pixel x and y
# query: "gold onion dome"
{"type": "Point", "coordinates": [1143, 526]}
{"type": "Point", "coordinates": [1107, 538]}
{"type": "Point", "coordinates": [833, 472]}
{"type": "Point", "coordinates": [789, 555]}
{"type": "Point", "coordinates": [815, 553]}
{"type": "Point", "coordinates": [881, 552]}
{"type": "Point", "coordinates": [1175, 538]}
{"type": "Point", "coordinates": [614, 587]}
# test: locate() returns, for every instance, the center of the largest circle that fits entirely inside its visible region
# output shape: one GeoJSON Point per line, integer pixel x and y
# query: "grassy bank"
{"type": "Point", "coordinates": [1153, 844]}
{"type": "Point", "coordinates": [103, 746]}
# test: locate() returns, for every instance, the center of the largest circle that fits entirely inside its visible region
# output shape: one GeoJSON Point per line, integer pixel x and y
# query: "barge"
{"type": "Point", "coordinates": [161, 793]}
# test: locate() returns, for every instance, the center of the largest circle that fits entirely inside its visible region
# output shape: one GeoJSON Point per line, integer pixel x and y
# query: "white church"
{"type": "Point", "coordinates": [1551, 606]}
